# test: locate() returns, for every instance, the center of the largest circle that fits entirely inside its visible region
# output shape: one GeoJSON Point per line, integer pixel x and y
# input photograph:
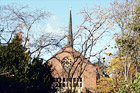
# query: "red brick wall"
{"type": "Point", "coordinates": [89, 74]}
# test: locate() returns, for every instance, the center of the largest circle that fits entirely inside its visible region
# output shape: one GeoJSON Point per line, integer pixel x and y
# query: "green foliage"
{"type": "Point", "coordinates": [14, 58]}
{"type": "Point", "coordinates": [129, 41]}
{"type": "Point", "coordinates": [20, 75]}
{"type": "Point", "coordinates": [133, 87]}
{"type": "Point", "coordinates": [128, 44]}
{"type": "Point", "coordinates": [136, 84]}
{"type": "Point", "coordinates": [39, 77]}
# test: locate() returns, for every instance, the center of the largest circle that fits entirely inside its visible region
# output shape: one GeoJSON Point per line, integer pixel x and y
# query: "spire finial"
{"type": "Point", "coordinates": [70, 36]}
{"type": "Point", "coordinates": [70, 8]}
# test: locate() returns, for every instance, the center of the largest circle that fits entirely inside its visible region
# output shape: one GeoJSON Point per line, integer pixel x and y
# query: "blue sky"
{"type": "Point", "coordinates": [59, 9]}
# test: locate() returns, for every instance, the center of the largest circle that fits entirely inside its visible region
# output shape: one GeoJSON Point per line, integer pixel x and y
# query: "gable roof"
{"type": "Point", "coordinates": [69, 49]}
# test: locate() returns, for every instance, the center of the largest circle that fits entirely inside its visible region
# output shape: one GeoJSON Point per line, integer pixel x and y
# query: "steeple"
{"type": "Point", "coordinates": [70, 36]}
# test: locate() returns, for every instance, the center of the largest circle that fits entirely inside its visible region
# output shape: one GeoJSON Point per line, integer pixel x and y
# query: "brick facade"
{"type": "Point", "coordinates": [74, 61]}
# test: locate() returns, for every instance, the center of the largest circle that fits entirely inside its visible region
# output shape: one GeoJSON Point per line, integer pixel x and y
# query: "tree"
{"type": "Point", "coordinates": [21, 74]}
{"type": "Point", "coordinates": [16, 19]}
{"type": "Point", "coordinates": [14, 61]}
{"type": "Point", "coordinates": [17, 70]}
{"type": "Point", "coordinates": [122, 14]}
{"type": "Point", "coordinates": [115, 71]}
{"type": "Point", "coordinates": [13, 54]}
{"type": "Point", "coordinates": [89, 33]}
{"type": "Point", "coordinates": [104, 84]}
{"type": "Point", "coordinates": [39, 77]}
{"type": "Point", "coordinates": [126, 16]}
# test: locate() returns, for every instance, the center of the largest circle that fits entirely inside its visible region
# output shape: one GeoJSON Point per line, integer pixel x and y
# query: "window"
{"type": "Point", "coordinates": [80, 79]}
{"type": "Point", "coordinates": [80, 84]}
{"type": "Point", "coordinates": [56, 85]}
{"type": "Point", "coordinates": [65, 82]}
{"type": "Point", "coordinates": [74, 79]}
{"type": "Point", "coordinates": [59, 79]}
{"type": "Point", "coordinates": [66, 62]}
{"type": "Point", "coordinates": [60, 84]}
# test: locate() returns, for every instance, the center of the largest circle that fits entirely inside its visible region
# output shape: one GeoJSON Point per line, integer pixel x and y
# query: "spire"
{"type": "Point", "coordinates": [70, 36]}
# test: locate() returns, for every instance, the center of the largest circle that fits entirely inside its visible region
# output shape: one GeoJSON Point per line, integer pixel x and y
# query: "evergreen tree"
{"type": "Point", "coordinates": [14, 61]}
{"type": "Point", "coordinates": [18, 74]}
{"type": "Point", "coordinates": [40, 78]}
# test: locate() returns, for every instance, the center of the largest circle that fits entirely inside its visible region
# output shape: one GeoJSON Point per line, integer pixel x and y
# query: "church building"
{"type": "Point", "coordinates": [71, 69]}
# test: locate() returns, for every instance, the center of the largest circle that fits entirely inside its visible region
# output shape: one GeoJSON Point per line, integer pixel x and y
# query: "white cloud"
{"type": "Point", "coordinates": [50, 29]}
{"type": "Point", "coordinates": [53, 17]}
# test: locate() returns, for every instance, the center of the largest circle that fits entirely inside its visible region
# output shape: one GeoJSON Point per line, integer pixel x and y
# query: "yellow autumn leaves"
{"type": "Point", "coordinates": [115, 70]}
{"type": "Point", "coordinates": [104, 84]}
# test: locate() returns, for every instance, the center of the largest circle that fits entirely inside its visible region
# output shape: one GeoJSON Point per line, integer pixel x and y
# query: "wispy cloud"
{"type": "Point", "coordinates": [51, 29]}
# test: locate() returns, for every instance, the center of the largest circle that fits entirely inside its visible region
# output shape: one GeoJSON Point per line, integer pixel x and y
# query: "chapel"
{"type": "Point", "coordinates": [71, 69]}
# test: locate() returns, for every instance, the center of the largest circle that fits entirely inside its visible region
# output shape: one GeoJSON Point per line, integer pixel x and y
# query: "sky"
{"type": "Point", "coordinates": [59, 10]}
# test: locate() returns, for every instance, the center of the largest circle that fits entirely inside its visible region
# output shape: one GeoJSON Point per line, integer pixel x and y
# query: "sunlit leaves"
{"type": "Point", "coordinates": [108, 53]}
{"type": "Point", "coordinates": [115, 70]}
{"type": "Point", "coordinates": [104, 84]}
